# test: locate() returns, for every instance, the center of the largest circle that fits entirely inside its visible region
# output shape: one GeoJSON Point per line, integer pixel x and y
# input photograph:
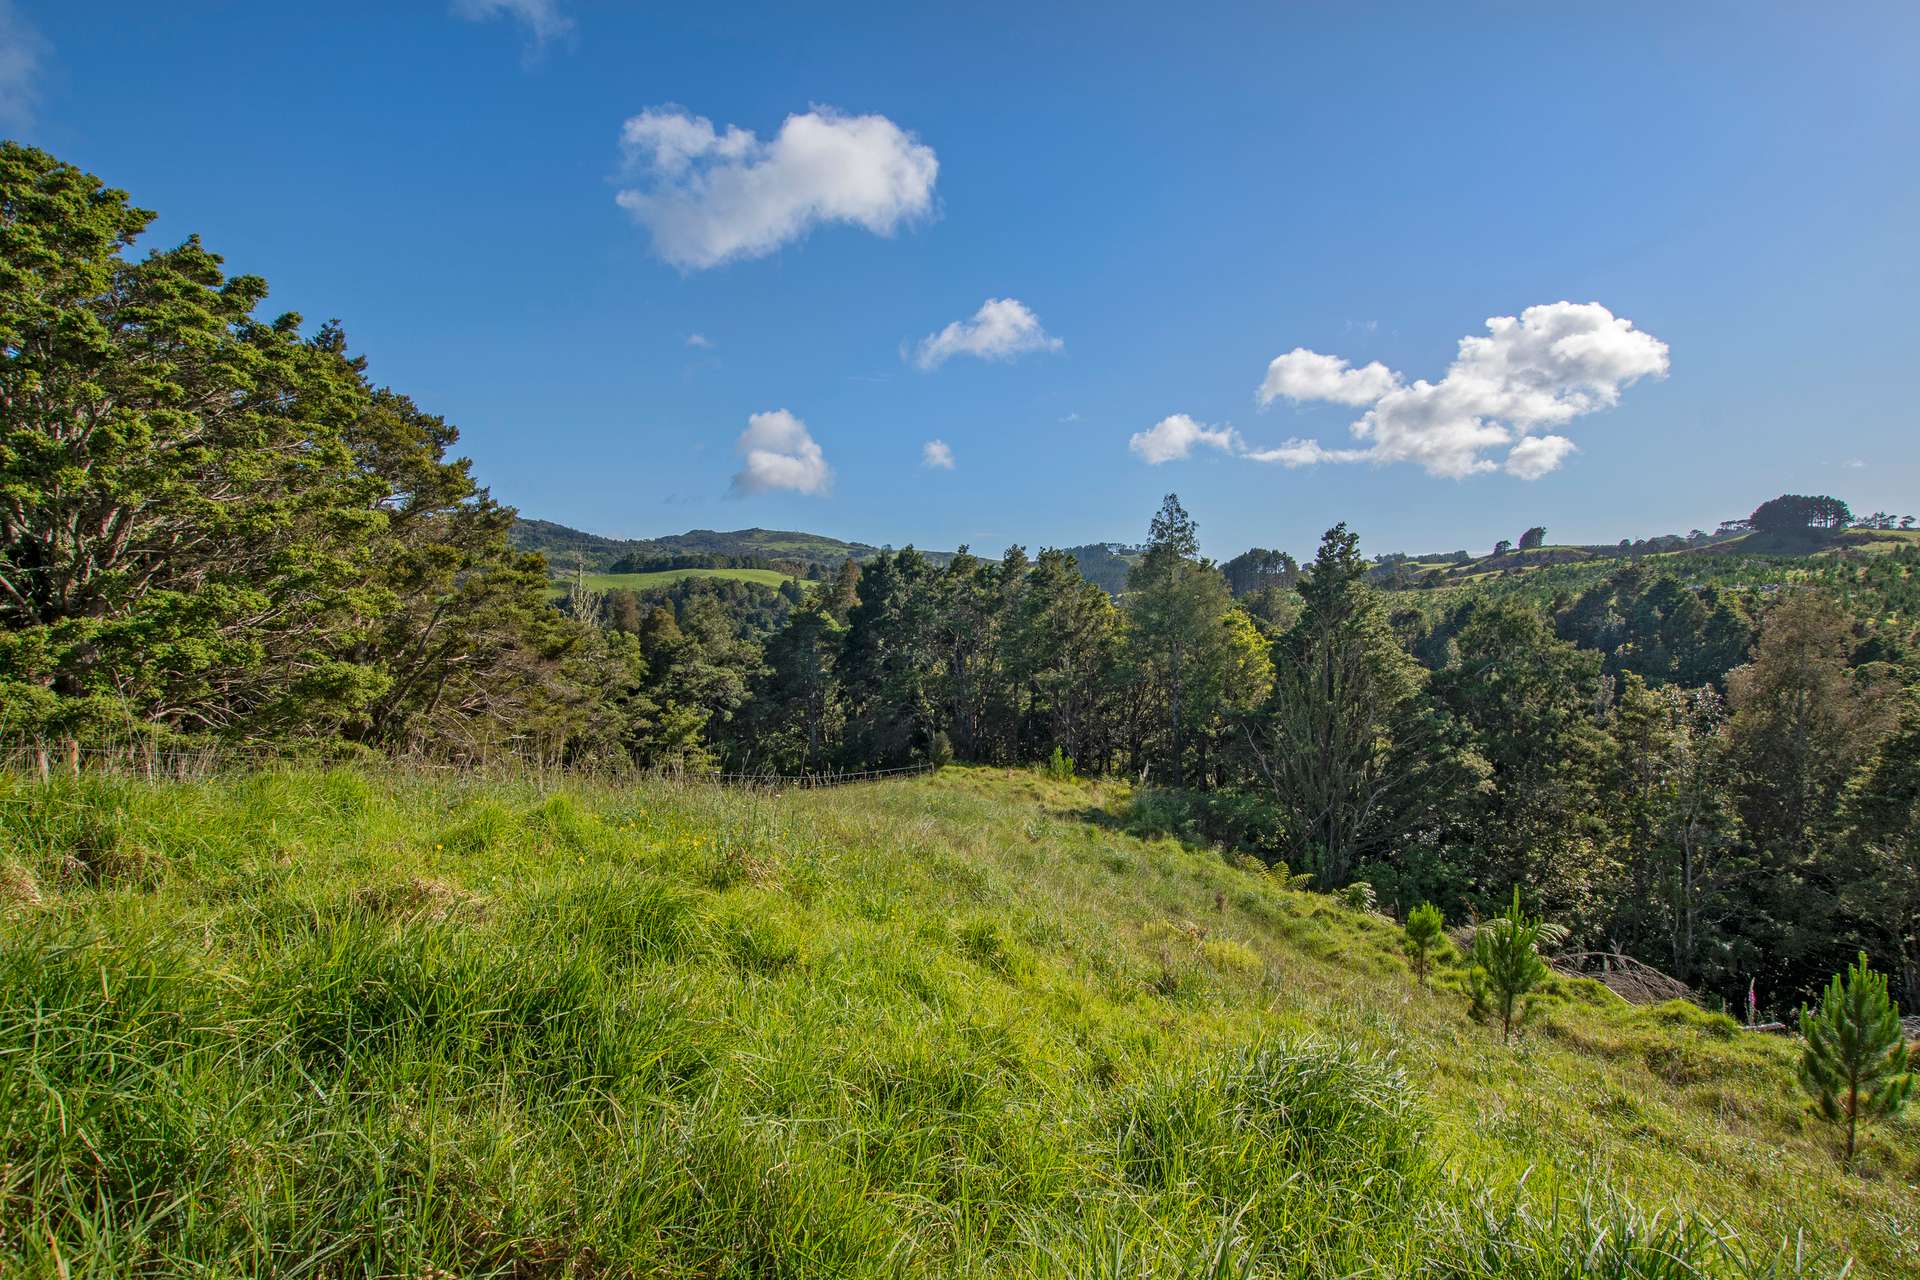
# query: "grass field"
{"type": "Point", "coordinates": [667, 577]}
{"type": "Point", "coordinates": [356, 1023]}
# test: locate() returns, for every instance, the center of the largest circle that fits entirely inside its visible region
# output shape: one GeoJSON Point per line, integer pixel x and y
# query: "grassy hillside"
{"type": "Point", "coordinates": [356, 1023]}
{"type": "Point", "coordinates": [566, 548]}
{"type": "Point", "coordinates": [667, 577]}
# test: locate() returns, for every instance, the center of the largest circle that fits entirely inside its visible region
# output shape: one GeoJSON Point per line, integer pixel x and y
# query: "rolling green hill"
{"type": "Point", "coordinates": [667, 577]}
{"type": "Point", "coordinates": [565, 548]}
{"type": "Point", "coordinates": [361, 1022]}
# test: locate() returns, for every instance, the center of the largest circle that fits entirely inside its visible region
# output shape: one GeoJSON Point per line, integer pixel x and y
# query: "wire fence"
{"type": "Point", "coordinates": [48, 761]}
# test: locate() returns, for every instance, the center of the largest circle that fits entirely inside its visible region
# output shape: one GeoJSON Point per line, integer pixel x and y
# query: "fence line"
{"type": "Point", "coordinates": [150, 762]}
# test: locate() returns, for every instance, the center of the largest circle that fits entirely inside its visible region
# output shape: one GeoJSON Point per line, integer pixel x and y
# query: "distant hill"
{"type": "Point", "coordinates": [567, 548]}
{"type": "Point", "coordinates": [1105, 564]}
{"type": "Point", "coordinates": [1718, 557]}
{"type": "Point", "coordinates": [667, 577]}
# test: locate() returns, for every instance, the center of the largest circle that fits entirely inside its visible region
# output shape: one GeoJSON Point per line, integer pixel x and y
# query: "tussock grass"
{"type": "Point", "coordinates": [351, 1022]}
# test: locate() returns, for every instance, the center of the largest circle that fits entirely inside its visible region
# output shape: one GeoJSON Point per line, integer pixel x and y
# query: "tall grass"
{"type": "Point", "coordinates": [355, 1023]}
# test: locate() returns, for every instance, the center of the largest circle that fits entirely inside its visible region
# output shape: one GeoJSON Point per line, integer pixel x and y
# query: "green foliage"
{"type": "Point", "coordinates": [1426, 938]}
{"type": "Point", "coordinates": [1059, 766]}
{"type": "Point", "coordinates": [1855, 1063]}
{"type": "Point", "coordinates": [1329, 742]}
{"type": "Point", "coordinates": [1798, 511]}
{"type": "Point", "coordinates": [1506, 964]}
{"type": "Point", "coordinates": [213, 522]}
{"type": "Point", "coordinates": [1238, 820]}
{"type": "Point", "coordinates": [1358, 896]}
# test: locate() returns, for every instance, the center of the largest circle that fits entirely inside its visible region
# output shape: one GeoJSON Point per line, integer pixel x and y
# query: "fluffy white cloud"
{"type": "Point", "coordinates": [1177, 435]}
{"type": "Point", "coordinates": [542, 18]}
{"type": "Point", "coordinates": [21, 48]}
{"type": "Point", "coordinates": [700, 340]}
{"type": "Point", "coordinates": [1000, 330]}
{"type": "Point", "coordinates": [1534, 456]}
{"type": "Point", "coordinates": [937, 453]}
{"type": "Point", "coordinates": [1307, 375]}
{"type": "Point", "coordinates": [778, 452]}
{"type": "Point", "coordinates": [1550, 365]}
{"type": "Point", "coordinates": [709, 197]}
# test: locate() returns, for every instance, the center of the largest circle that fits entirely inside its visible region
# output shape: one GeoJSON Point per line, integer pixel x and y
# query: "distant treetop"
{"type": "Point", "coordinates": [1799, 511]}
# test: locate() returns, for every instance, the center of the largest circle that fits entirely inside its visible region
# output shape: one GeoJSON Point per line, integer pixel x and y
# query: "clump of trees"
{"type": "Point", "coordinates": [1792, 511]}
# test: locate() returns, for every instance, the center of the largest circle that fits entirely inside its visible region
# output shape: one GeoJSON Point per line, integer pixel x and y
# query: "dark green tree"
{"type": "Point", "coordinates": [1792, 511]}
{"type": "Point", "coordinates": [1325, 741]}
{"type": "Point", "coordinates": [1197, 653]}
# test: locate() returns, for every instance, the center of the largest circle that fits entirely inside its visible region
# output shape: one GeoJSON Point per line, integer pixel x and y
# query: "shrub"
{"type": "Point", "coordinates": [1235, 819]}
{"type": "Point", "coordinates": [1358, 896]}
{"type": "Point", "coordinates": [1059, 766]}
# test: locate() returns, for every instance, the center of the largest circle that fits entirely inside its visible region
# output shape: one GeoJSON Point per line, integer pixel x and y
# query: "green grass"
{"type": "Point", "coordinates": [357, 1023]}
{"type": "Point", "coordinates": [667, 577]}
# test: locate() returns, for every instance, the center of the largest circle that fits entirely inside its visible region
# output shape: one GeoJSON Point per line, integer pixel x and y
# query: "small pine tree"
{"type": "Point", "coordinates": [1855, 1063]}
{"type": "Point", "coordinates": [941, 754]}
{"type": "Point", "coordinates": [1506, 963]}
{"type": "Point", "coordinates": [1426, 937]}
{"type": "Point", "coordinates": [1060, 766]}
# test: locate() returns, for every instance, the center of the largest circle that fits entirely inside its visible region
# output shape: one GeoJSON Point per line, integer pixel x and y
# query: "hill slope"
{"type": "Point", "coordinates": [566, 547]}
{"type": "Point", "coordinates": [963, 1024]}
{"type": "Point", "coordinates": [667, 577]}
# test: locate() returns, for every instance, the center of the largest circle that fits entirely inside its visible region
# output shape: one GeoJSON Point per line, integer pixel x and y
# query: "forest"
{"type": "Point", "coordinates": [214, 526]}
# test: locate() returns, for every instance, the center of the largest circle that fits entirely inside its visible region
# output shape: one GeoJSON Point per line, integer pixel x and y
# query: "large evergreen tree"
{"type": "Point", "coordinates": [1327, 742]}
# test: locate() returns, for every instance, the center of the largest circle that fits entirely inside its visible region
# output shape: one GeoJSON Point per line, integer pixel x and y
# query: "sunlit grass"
{"type": "Point", "coordinates": [352, 1022]}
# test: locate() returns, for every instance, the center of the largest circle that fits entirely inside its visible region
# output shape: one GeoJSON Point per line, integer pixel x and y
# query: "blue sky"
{"type": "Point", "coordinates": [1173, 196]}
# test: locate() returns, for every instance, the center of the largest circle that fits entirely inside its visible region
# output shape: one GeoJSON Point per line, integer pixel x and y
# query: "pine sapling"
{"type": "Point", "coordinates": [1506, 963]}
{"type": "Point", "coordinates": [1855, 1063]}
{"type": "Point", "coordinates": [1426, 938]}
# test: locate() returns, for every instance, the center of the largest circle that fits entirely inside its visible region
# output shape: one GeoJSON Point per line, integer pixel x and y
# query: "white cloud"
{"type": "Point", "coordinates": [1534, 456]}
{"type": "Point", "coordinates": [542, 18]}
{"type": "Point", "coordinates": [937, 453]}
{"type": "Point", "coordinates": [1000, 330]}
{"type": "Point", "coordinates": [1307, 375]}
{"type": "Point", "coordinates": [710, 197]}
{"type": "Point", "coordinates": [1302, 453]}
{"type": "Point", "coordinates": [699, 340]}
{"type": "Point", "coordinates": [1177, 435]}
{"type": "Point", "coordinates": [779, 453]}
{"type": "Point", "coordinates": [1552, 364]}
{"type": "Point", "coordinates": [21, 49]}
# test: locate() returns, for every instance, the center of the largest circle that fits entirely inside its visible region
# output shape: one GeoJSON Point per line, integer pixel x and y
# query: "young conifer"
{"type": "Point", "coordinates": [1426, 938]}
{"type": "Point", "coordinates": [1506, 963]}
{"type": "Point", "coordinates": [1855, 1062]}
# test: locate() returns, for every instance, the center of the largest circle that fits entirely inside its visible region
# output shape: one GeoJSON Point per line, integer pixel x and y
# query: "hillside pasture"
{"type": "Point", "coordinates": [667, 577]}
{"type": "Point", "coordinates": [363, 1022]}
